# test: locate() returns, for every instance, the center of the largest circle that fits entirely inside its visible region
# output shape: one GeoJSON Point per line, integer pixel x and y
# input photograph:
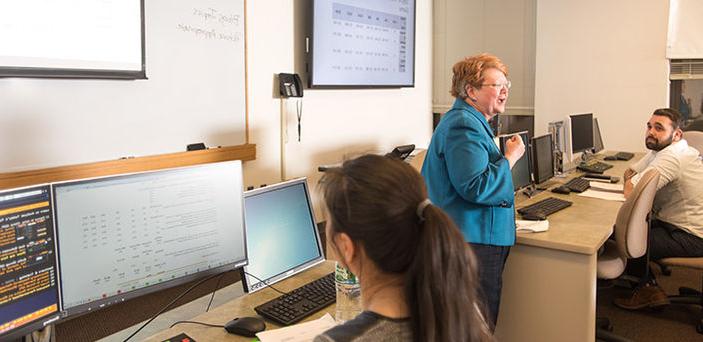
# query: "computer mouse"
{"type": "Point", "coordinates": [245, 326]}
{"type": "Point", "coordinates": [561, 190]}
{"type": "Point", "coordinates": [534, 216]}
{"type": "Point", "coordinates": [610, 158]}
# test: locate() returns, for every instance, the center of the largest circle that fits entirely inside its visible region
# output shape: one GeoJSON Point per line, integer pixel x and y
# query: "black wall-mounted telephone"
{"type": "Point", "coordinates": [289, 85]}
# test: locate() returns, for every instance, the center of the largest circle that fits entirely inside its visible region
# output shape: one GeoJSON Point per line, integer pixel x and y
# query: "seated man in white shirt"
{"type": "Point", "coordinates": [677, 225]}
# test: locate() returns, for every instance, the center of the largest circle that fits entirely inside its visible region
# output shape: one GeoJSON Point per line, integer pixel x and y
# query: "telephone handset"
{"type": "Point", "coordinates": [290, 85]}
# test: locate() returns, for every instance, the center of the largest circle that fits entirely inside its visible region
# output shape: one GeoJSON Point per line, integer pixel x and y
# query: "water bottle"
{"type": "Point", "coordinates": [348, 294]}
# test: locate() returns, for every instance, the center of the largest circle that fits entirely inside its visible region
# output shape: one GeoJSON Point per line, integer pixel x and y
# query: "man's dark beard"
{"type": "Point", "coordinates": [657, 146]}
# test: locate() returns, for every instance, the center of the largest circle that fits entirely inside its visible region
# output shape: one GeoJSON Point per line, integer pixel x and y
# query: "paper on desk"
{"type": "Point", "coordinates": [300, 332]}
{"type": "Point", "coordinates": [531, 226]}
{"type": "Point", "coordinates": [604, 194]}
{"type": "Point", "coordinates": [606, 186]}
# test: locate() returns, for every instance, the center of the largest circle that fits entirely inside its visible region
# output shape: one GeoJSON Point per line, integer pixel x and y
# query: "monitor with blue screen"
{"type": "Point", "coordinates": [282, 237]}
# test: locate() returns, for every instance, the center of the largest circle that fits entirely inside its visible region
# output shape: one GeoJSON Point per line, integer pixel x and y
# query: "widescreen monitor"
{"type": "Point", "coordinates": [29, 298]}
{"type": "Point", "coordinates": [543, 158]}
{"type": "Point", "coordinates": [124, 236]}
{"type": "Point", "coordinates": [521, 169]}
{"type": "Point", "coordinates": [362, 43]}
{"type": "Point", "coordinates": [581, 132]}
{"type": "Point", "coordinates": [282, 236]}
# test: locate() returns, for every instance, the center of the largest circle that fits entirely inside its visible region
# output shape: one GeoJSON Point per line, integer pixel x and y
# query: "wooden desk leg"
{"type": "Point", "coordinates": [548, 295]}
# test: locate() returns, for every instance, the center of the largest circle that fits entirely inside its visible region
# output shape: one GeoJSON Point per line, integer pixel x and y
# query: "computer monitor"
{"type": "Point", "coordinates": [123, 236]}
{"type": "Point", "coordinates": [521, 169]}
{"type": "Point", "coordinates": [516, 123]}
{"type": "Point", "coordinates": [581, 132]}
{"type": "Point", "coordinates": [543, 158]}
{"type": "Point", "coordinates": [282, 236]}
{"type": "Point", "coordinates": [597, 139]}
{"type": "Point", "coordinates": [29, 297]}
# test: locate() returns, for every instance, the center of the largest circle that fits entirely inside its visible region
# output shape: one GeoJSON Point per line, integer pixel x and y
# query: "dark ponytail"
{"type": "Point", "coordinates": [380, 203]}
{"type": "Point", "coordinates": [441, 284]}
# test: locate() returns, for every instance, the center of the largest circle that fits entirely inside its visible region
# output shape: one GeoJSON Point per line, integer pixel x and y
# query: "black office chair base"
{"type": "Point", "coordinates": [687, 291]}
{"type": "Point", "coordinates": [603, 323]}
{"type": "Point", "coordinates": [690, 296]}
{"type": "Point", "coordinates": [604, 335]}
{"type": "Point", "coordinates": [604, 331]}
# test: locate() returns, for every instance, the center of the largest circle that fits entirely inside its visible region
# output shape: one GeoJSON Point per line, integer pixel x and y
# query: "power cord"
{"type": "Point", "coordinates": [222, 326]}
{"type": "Point", "coordinates": [194, 322]}
{"type": "Point", "coordinates": [172, 302]}
{"type": "Point", "coordinates": [215, 290]}
{"type": "Point", "coordinates": [299, 112]}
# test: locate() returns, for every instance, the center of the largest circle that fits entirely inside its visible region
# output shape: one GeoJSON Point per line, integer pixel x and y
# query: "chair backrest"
{"type": "Point", "coordinates": [694, 139]}
{"type": "Point", "coordinates": [632, 225]}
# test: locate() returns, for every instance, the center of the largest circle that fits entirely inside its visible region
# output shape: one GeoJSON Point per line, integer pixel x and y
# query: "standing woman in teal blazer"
{"type": "Point", "coordinates": [468, 177]}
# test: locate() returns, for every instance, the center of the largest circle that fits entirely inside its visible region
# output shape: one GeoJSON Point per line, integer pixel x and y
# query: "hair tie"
{"type": "Point", "coordinates": [421, 208]}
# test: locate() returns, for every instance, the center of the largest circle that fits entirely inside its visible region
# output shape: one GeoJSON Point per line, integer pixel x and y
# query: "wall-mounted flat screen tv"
{"type": "Point", "coordinates": [362, 43]}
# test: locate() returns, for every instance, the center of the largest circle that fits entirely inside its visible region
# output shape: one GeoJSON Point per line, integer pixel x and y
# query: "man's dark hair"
{"type": "Point", "coordinates": [673, 115]}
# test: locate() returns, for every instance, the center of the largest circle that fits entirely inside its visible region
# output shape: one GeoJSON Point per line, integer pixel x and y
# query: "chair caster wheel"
{"type": "Point", "coordinates": [699, 327]}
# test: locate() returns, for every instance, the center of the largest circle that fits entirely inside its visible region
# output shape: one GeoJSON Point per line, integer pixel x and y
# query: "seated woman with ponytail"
{"type": "Point", "coordinates": [417, 275]}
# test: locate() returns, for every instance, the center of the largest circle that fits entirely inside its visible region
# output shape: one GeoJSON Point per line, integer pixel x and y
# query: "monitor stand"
{"type": "Point", "coordinates": [531, 190]}
{"type": "Point", "coordinates": [587, 155]}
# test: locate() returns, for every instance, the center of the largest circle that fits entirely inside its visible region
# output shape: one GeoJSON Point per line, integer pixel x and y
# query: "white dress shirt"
{"type": "Point", "coordinates": [679, 198]}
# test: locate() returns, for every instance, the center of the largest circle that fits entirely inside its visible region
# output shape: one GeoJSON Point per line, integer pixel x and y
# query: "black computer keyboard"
{"type": "Point", "coordinates": [593, 166]}
{"type": "Point", "coordinates": [578, 184]}
{"type": "Point", "coordinates": [301, 302]}
{"type": "Point", "coordinates": [624, 155]}
{"type": "Point", "coordinates": [547, 206]}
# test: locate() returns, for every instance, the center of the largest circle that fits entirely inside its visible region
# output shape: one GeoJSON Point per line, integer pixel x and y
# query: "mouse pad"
{"type": "Point", "coordinates": [180, 338]}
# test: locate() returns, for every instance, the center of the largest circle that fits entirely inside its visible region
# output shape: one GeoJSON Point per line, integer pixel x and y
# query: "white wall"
{"type": "Point", "coordinates": [334, 122]}
{"type": "Point", "coordinates": [505, 28]}
{"type": "Point", "coordinates": [192, 94]}
{"type": "Point", "coordinates": [605, 57]}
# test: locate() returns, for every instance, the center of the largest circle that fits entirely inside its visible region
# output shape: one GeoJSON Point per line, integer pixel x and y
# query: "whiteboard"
{"type": "Point", "coordinates": [194, 92]}
{"type": "Point", "coordinates": [76, 37]}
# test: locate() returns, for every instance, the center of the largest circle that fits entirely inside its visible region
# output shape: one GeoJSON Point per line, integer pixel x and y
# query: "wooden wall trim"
{"type": "Point", "coordinates": [111, 167]}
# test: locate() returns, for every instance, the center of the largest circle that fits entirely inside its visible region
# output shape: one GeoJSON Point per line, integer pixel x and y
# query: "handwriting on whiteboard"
{"type": "Point", "coordinates": [209, 23]}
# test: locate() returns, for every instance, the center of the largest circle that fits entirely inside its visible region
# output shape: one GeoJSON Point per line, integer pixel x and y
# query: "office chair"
{"type": "Point", "coordinates": [631, 231]}
{"type": "Point", "coordinates": [687, 295]}
{"type": "Point", "coordinates": [694, 139]}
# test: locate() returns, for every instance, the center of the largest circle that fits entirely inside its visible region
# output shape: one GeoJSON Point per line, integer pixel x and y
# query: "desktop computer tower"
{"type": "Point", "coordinates": [558, 162]}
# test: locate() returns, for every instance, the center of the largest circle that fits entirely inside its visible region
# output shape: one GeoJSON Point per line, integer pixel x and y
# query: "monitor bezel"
{"type": "Point", "coordinates": [247, 284]}
{"type": "Point", "coordinates": [571, 131]}
{"type": "Point", "coordinates": [116, 299]}
{"type": "Point", "coordinates": [597, 137]}
{"type": "Point", "coordinates": [535, 166]}
{"type": "Point", "coordinates": [310, 61]}
{"type": "Point", "coordinates": [50, 318]}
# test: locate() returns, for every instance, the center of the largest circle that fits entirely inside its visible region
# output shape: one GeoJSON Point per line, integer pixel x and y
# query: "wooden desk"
{"type": "Point", "coordinates": [549, 283]}
{"type": "Point", "coordinates": [244, 306]}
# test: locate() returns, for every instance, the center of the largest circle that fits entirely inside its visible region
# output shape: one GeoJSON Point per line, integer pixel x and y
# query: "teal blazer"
{"type": "Point", "coordinates": [468, 177]}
